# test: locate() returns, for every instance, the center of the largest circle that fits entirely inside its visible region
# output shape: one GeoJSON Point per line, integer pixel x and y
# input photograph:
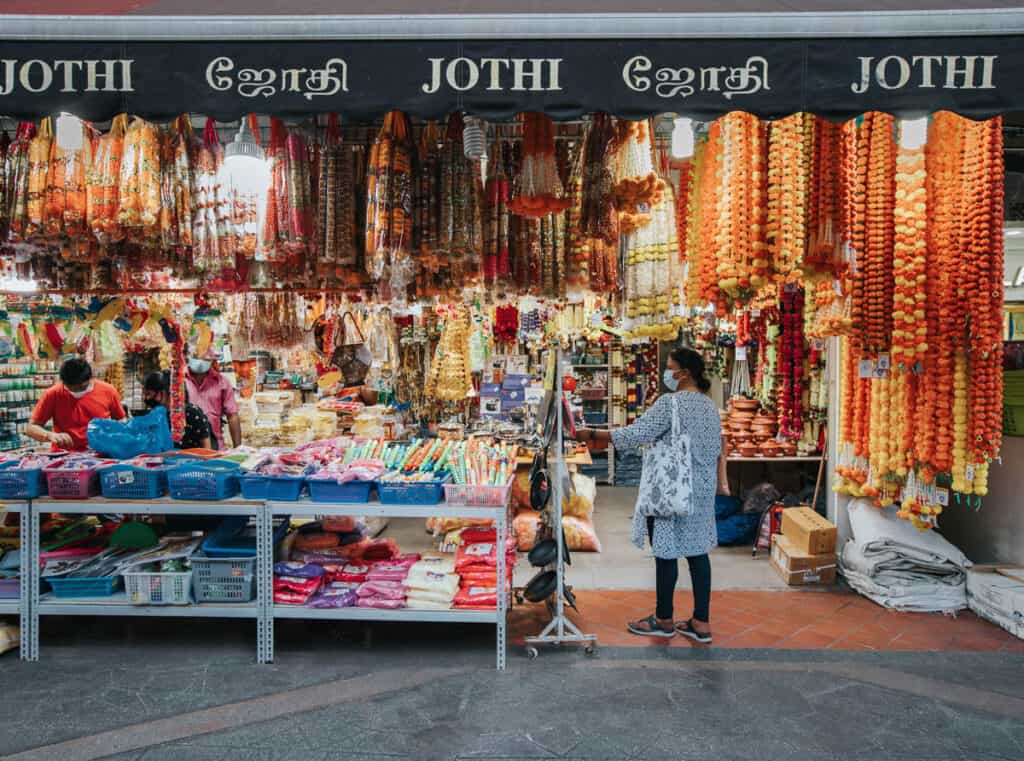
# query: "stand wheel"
{"type": "Point", "coordinates": [520, 600]}
{"type": "Point", "coordinates": [589, 650]}
{"type": "Point", "coordinates": [532, 652]}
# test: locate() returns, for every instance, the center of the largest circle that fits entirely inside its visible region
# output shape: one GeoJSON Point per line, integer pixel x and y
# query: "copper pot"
{"type": "Point", "coordinates": [762, 419]}
{"type": "Point", "coordinates": [763, 430]}
{"type": "Point", "coordinates": [788, 449]}
{"type": "Point", "coordinates": [748, 450]}
{"type": "Point", "coordinates": [744, 405]}
{"type": "Point", "coordinates": [769, 448]}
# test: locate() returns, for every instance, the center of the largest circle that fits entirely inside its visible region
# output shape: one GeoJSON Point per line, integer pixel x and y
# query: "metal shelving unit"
{"type": "Point", "coordinates": [497, 617]}
{"type": "Point", "coordinates": [263, 610]}
{"type": "Point", "coordinates": [21, 606]}
{"type": "Point", "coordinates": [119, 605]}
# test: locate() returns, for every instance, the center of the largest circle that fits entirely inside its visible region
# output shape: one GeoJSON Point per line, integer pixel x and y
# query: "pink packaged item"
{"type": "Point", "coordinates": [389, 590]}
{"type": "Point", "coordinates": [380, 603]}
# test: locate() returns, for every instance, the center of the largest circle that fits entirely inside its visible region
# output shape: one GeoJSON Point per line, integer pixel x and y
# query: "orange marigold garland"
{"type": "Point", "coordinates": [825, 245]}
{"type": "Point", "coordinates": [910, 327]}
{"type": "Point", "coordinates": [790, 146]}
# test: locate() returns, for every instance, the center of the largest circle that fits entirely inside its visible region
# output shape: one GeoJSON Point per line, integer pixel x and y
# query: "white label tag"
{"type": "Point", "coordinates": [838, 286]}
{"type": "Point", "coordinates": [880, 372]}
{"type": "Point", "coordinates": [883, 362]}
{"type": "Point", "coordinates": [865, 368]}
{"type": "Point", "coordinates": [741, 353]}
{"type": "Point", "coordinates": [755, 313]}
{"type": "Point", "coordinates": [818, 344]}
{"type": "Point", "coordinates": [126, 477]}
{"type": "Point", "coordinates": [969, 473]}
{"type": "Point", "coordinates": [942, 497]}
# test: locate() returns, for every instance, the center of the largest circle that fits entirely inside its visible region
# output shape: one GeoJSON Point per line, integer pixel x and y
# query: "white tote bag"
{"type": "Point", "coordinates": [666, 483]}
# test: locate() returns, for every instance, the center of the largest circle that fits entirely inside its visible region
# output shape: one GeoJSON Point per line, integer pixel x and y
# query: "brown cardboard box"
{"type": "Point", "coordinates": [798, 568]}
{"type": "Point", "coordinates": [809, 532]}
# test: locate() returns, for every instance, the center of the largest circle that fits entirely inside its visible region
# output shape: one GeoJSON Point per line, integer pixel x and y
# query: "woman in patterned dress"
{"type": "Point", "coordinates": [690, 536]}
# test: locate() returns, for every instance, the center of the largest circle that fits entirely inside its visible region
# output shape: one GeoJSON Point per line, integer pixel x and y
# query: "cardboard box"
{"type": "Point", "coordinates": [996, 593]}
{"type": "Point", "coordinates": [798, 568]}
{"type": "Point", "coordinates": [809, 532]}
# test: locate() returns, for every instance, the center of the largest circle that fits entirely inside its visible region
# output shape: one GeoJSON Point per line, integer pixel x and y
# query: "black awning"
{"type": "Point", "coordinates": [362, 79]}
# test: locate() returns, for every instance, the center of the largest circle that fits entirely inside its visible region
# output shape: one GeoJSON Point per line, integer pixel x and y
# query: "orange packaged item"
{"type": "Point", "coordinates": [316, 541]}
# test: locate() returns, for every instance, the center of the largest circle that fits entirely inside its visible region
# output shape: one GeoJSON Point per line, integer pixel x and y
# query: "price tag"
{"type": "Point", "coordinates": [755, 313]}
{"type": "Point", "coordinates": [865, 368]}
{"type": "Point", "coordinates": [969, 473]}
{"type": "Point", "coordinates": [883, 362]}
{"type": "Point", "coordinates": [942, 497]}
{"type": "Point", "coordinates": [741, 353]}
{"type": "Point", "coordinates": [880, 372]}
{"type": "Point", "coordinates": [818, 344]}
{"type": "Point", "coordinates": [838, 286]}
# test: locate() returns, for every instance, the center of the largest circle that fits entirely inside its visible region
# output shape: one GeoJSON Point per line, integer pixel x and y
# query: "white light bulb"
{"type": "Point", "coordinates": [682, 138]}
{"type": "Point", "coordinates": [69, 132]}
{"type": "Point", "coordinates": [914, 133]}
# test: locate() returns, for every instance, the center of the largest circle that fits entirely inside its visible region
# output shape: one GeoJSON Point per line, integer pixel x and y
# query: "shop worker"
{"type": "Point", "coordinates": [156, 392]}
{"type": "Point", "coordinates": [72, 404]}
{"type": "Point", "coordinates": [214, 395]}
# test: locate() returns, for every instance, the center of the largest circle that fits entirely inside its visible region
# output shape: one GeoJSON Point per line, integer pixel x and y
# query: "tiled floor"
{"type": "Point", "coordinates": [799, 620]}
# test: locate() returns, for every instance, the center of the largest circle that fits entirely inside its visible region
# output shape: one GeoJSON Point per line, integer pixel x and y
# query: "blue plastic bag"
{"type": "Point", "coordinates": [146, 434]}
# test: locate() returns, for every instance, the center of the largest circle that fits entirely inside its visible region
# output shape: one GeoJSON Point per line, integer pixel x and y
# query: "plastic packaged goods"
{"type": "Point", "coordinates": [476, 597]}
{"type": "Point", "coordinates": [483, 553]}
{"type": "Point", "coordinates": [340, 524]}
{"type": "Point", "coordinates": [387, 590]}
{"type": "Point", "coordinates": [316, 541]}
{"type": "Point", "coordinates": [381, 603]}
{"type": "Point", "coordinates": [299, 570]}
{"type": "Point", "coordinates": [525, 526]}
{"type": "Point", "coordinates": [420, 603]}
{"type": "Point", "coordinates": [353, 573]}
{"type": "Point", "coordinates": [438, 562]}
{"type": "Point", "coordinates": [388, 572]}
{"type": "Point", "coordinates": [580, 534]}
{"type": "Point", "coordinates": [334, 595]}
{"type": "Point", "coordinates": [444, 584]}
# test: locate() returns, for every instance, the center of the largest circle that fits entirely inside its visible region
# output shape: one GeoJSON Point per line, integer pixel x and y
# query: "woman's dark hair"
{"type": "Point", "coordinates": [157, 382]}
{"type": "Point", "coordinates": [75, 372]}
{"type": "Point", "coordinates": [693, 363]}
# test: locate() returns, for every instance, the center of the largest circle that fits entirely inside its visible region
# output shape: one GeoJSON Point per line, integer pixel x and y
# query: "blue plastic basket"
{"type": "Point", "coordinates": [595, 418]}
{"type": "Point", "coordinates": [101, 586]}
{"type": "Point", "coordinates": [231, 540]}
{"type": "Point", "coordinates": [357, 492]}
{"type": "Point", "coordinates": [124, 481]}
{"type": "Point", "coordinates": [21, 483]}
{"type": "Point", "coordinates": [204, 481]}
{"type": "Point", "coordinates": [412, 492]}
{"type": "Point", "coordinates": [280, 488]}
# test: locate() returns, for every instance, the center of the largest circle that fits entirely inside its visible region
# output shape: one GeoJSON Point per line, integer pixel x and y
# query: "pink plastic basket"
{"type": "Point", "coordinates": [73, 484]}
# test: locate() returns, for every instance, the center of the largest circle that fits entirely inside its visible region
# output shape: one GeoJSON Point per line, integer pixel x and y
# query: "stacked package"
{"type": "Point", "coordinates": [897, 566]}
{"type": "Point", "coordinates": [805, 552]}
{"type": "Point", "coordinates": [476, 563]}
{"type": "Point", "coordinates": [432, 582]}
{"type": "Point", "coordinates": [384, 587]}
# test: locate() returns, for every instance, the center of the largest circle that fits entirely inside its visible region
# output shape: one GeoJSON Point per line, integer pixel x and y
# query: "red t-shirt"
{"type": "Point", "coordinates": [72, 416]}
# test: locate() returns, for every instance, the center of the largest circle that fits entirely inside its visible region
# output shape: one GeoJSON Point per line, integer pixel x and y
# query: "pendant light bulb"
{"type": "Point", "coordinates": [914, 133]}
{"type": "Point", "coordinates": [682, 138]}
{"type": "Point", "coordinates": [69, 132]}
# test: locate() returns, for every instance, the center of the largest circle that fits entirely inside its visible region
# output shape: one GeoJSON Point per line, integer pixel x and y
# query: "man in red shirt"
{"type": "Point", "coordinates": [71, 405]}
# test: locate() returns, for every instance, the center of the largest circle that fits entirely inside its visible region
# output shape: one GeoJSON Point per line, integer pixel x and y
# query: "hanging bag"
{"type": "Point", "coordinates": [351, 356]}
{"type": "Point", "coordinates": [666, 484]}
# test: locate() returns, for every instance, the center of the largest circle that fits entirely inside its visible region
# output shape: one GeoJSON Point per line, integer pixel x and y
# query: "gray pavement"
{"type": "Point", "coordinates": [143, 691]}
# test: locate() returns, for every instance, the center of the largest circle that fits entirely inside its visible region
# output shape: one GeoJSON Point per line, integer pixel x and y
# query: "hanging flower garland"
{"type": "Point", "coordinates": [910, 326]}
{"type": "Point", "coordinates": [824, 250]}
{"type": "Point", "coordinates": [538, 189]}
{"type": "Point", "coordinates": [638, 188]}
{"type": "Point", "coordinates": [790, 142]}
{"type": "Point", "coordinates": [791, 363]}
{"type": "Point", "coordinates": [497, 195]}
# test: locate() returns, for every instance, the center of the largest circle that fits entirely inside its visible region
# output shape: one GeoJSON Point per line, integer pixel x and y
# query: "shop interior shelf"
{"type": "Point", "coordinates": [305, 508]}
{"type": "Point", "coordinates": [773, 459]}
{"type": "Point", "coordinates": [9, 607]}
{"type": "Point", "coordinates": [370, 614]}
{"type": "Point", "coordinates": [164, 505]}
{"type": "Point", "coordinates": [120, 605]}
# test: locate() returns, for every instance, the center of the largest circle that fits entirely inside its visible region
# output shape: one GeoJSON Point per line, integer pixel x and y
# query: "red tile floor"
{"type": "Point", "coordinates": [793, 619]}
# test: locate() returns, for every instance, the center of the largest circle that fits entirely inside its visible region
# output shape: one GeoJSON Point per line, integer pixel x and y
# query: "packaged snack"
{"type": "Point", "coordinates": [301, 570]}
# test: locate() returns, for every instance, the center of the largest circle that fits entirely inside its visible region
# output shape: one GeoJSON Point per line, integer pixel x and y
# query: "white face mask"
{"type": "Point", "coordinates": [199, 366]}
{"type": "Point", "coordinates": [80, 394]}
{"type": "Point", "coordinates": [669, 379]}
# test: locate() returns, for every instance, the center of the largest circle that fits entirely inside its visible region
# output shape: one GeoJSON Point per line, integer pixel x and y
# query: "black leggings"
{"type": "Point", "coordinates": [667, 574]}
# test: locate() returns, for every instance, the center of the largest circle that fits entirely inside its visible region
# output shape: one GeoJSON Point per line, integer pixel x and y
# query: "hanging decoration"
{"type": "Point", "coordinates": [389, 202]}
{"type": "Point", "coordinates": [538, 190]}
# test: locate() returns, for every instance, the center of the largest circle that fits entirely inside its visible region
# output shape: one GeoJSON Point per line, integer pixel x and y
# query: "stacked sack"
{"type": "Point", "coordinates": [432, 582]}
{"type": "Point", "coordinates": [384, 587]}
{"type": "Point", "coordinates": [577, 519]}
{"type": "Point", "coordinates": [476, 563]}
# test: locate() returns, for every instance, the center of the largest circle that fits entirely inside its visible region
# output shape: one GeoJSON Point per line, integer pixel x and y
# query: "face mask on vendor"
{"type": "Point", "coordinates": [79, 393]}
{"type": "Point", "coordinates": [199, 366]}
{"type": "Point", "coordinates": [669, 379]}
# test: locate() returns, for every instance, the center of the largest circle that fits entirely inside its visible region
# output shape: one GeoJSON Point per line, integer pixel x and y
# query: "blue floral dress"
{"type": "Point", "coordinates": [694, 534]}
